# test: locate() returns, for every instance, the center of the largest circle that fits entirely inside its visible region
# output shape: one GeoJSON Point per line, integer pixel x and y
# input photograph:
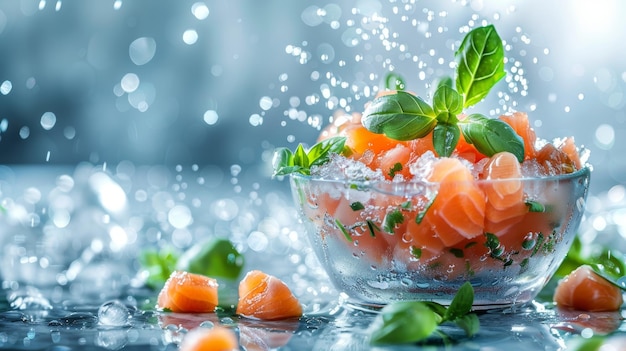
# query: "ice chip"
{"type": "Point", "coordinates": [478, 168]}
{"type": "Point", "coordinates": [113, 313]}
{"type": "Point", "coordinates": [423, 166]}
{"type": "Point", "coordinates": [532, 168]}
{"type": "Point", "coordinates": [340, 167]}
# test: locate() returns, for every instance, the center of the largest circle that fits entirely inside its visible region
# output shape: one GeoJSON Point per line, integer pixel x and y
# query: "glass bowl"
{"type": "Point", "coordinates": [383, 241]}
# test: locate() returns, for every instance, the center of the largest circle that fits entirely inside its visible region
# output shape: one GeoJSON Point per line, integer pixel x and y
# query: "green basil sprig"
{"type": "Point", "coordinates": [413, 321]}
{"type": "Point", "coordinates": [285, 161]}
{"type": "Point", "coordinates": [480, 65]}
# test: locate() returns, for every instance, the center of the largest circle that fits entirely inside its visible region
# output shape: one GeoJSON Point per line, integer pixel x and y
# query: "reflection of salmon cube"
{"type": "Point", "coordinates": [215, 339]}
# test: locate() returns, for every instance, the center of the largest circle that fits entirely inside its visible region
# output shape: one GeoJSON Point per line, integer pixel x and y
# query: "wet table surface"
{"type": "Point", "coordinates": [60, 269]}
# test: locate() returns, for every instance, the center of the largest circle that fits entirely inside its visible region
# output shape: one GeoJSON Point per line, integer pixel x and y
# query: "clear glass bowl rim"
{"type": "Point", "coordinates": [363, 184]}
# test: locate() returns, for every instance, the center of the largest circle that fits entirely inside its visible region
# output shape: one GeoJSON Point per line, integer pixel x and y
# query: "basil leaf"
{"type": "Point", "coordinates": [441, 81]}
{"type": "Point", "coordinates": [469, 323]}
{"type": "Point", "coordinates": [437, 308]}
{"type": "Point", "coordinates": [286, 162]}
{"type": "Point", "coordinates": [608, 273]}
{"type": "Point", "coordinates": [394, 81]}
{"type": "Point", "coordinates": [300, 157]}
{"type": "Point", "coordinates": [320, 152]}
{"type": "Point", "coordinates": [282, 160]}
{"type": "Point", "coordinates": [445, 138]}
{"type": "Point", "coordinates": [216, 258]}
{"type": "Point", "coordinates": [404, 322]}
{"type": "Point", "coordinates": [159, 264]}
{"type": "Point", "coordinates": [400, 116]}
{"type": "Point", "coordinates": [491, 136]}
{"type": "Point", "coordinates": [480, 64]}
{"type": "Point", "coordinates": [579, 343]}
{"type": "Point", "coordinates": [447, 99]}
{"type": "Point", "coordinates": [461, 303]}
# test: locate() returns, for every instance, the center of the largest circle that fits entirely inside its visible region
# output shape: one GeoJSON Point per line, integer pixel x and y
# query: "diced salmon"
{"type": "Point", "coordinates": [458, 211]}
{"type": "Point", "coordinates": [568, 146]}
{"type": "Point", "coordinates": [504, 191]}
{"type": "Point", "coordinates": [585, 290]}
{"type": "Point", "coordinates": [263, 296]}
{"type": "Point", "coordinates": [188, 292]}
{"type": "Point", "coordinates": [554, 161]}
{"type": "Point", "coordinates": [521, 125]}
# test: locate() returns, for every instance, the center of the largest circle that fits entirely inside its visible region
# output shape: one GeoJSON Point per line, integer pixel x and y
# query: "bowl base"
{"type": "Point", "coordinates": [491, 307]}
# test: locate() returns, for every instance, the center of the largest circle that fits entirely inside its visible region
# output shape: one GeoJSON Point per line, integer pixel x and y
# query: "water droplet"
{"type": "Point", "coordinates": [48, 120]}
{"type": "Point", "coordinates": [605, 136]}
{"type": "Point", "coordinates": [55, 335]}
{"type": "Point", "coordinates": [266, 103]}
{"type": "Point", "coordinates": [113, 313]}
{"type": "Point", "coordinates": [142, 50]}
{"type": "Point", "coordinates": [200, 10]}
{"type": "Point", "coordinates": [257, 241]}
{"type": "Point", "coordinates": [130, 82]}
{"type": "Point", "coordinates": [190, 36]}
{"type": "Point", "coordinates": [211, 117]}
{"type": "Point", "coordinates": [180, 216]}
{"type": "Point", "coordinates": [529, 241]}
{"type": "Point", "coordinates": [5, 87]}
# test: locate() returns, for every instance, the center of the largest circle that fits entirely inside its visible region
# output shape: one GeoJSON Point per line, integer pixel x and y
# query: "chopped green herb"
{"type": "Point", "coordinates": [538, 245]}
{"type": "Point", "coordinates": [343, 230]}
{"type": "Point", "coordinates": [406, 205]}
{"type": "Point", "coordinates": [534, 206]}
{"type": "Point", "coordinates": [420, 216]}
{"type": "Point", "coordinates": [372, 227]}
{"type": "Point", "coordinates": [397, 167]}
{"type": "Point", "coordinates": [492, 242]}
{"type": "Point", "coordinates": [470, 244]}
{"type": "Point", "coordinates": [524, 263]}
{"type": "Point", "coordinates": [550, 243]}
{"type": "Point", "coordinates": [356, 206]}
{"type": "Point", "coordinates": [391, 220]}
{"type": "Point", "coordinates": [457, 252]}
{"type": "Point", "coordinates": [416, 252]}
{"type": "Point", "coordinates": [468, 269]}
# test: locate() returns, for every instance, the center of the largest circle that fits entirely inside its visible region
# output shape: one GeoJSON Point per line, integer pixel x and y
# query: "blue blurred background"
{"type": "Point", "coordinates": [224, 82]}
